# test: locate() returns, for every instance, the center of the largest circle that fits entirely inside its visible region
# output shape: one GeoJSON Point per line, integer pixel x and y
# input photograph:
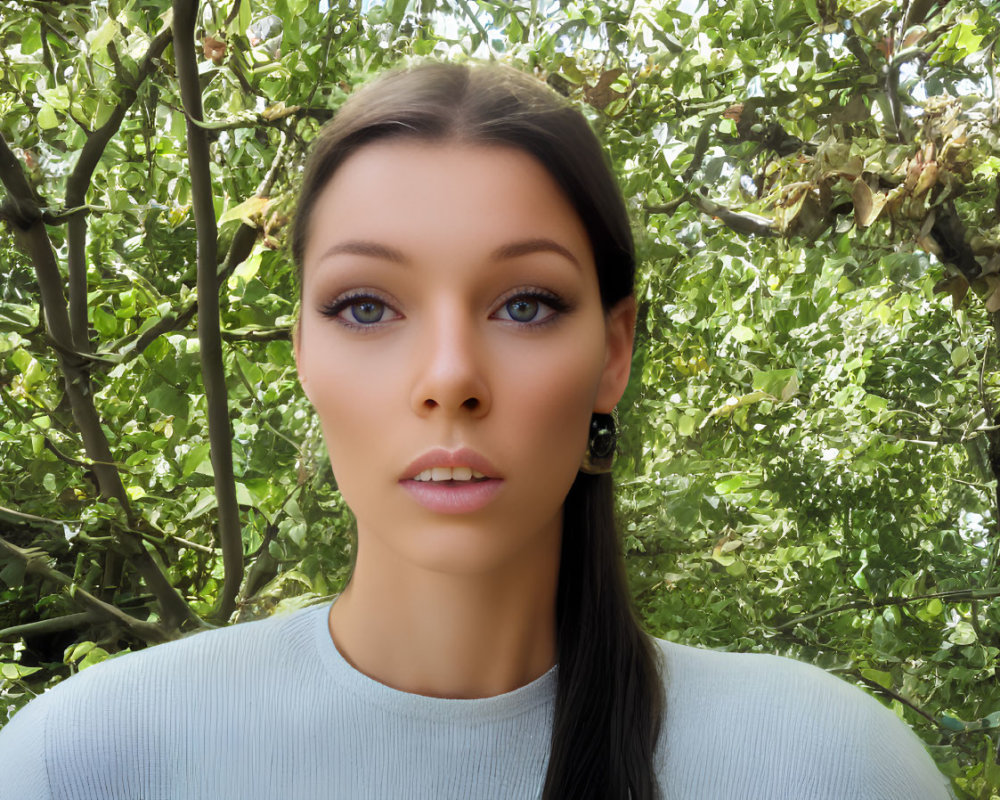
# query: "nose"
{"type": "Point", "coordinates": [450, 367]}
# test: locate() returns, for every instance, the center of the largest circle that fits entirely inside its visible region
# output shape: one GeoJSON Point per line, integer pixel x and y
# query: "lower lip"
{"type": "Point", "coordinates": [450, 498]}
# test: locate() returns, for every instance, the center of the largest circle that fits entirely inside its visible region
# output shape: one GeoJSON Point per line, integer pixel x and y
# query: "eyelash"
{"type": "Point", "coordinates": [336, 307]}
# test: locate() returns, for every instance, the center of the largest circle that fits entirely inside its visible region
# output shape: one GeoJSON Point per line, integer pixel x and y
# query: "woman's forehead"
{"type": "Point", "coordinates": [438, 196]}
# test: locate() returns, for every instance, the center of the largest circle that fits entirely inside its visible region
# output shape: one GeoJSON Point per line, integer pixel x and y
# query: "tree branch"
{"type": "Point", "coordinates": [37, 564]}
{"type": "Point", "coordinates": [33, 237]}
{"type": "Point", "coordinates": [700, 148]}
{"type": "Point", "coordinates": [739, 221]}
{"type": "Point", "coordinates": [257, 334]}
{"type": "Point", "coordinates": [44, 627]}
{"type": "Point", "coordinates": [771, 136]}
{"type": "Point", "coordinates": [75, 377]}
{"type": "Point", "coordinates": [212, 369]}
{"type": "Point", "coordinates": [878, 687]}
{"type": "Point", "coordinates": [78, 183]}
{"type": "Point", "coordinates": [479, 27]}
{"type": "Point", "coordinates": [951, 595]}
{"type": "Point", "coordinates": [20, 518]}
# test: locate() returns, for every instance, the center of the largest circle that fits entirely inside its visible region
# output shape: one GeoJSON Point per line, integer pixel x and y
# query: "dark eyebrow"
{"type": "Point", "coordinates": [529, 246]}
{"type": "Point", "coordinates": [358, 247]}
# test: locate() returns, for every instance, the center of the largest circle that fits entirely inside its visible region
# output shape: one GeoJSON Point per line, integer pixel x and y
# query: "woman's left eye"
{"type": "Point", "coordinates": [531, 308]}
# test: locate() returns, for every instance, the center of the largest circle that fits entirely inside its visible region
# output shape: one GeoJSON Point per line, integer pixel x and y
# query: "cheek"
{"type": "Point", "coordinates": [549, 398]}
{"type": "Point", "coordinates": [351, 399]}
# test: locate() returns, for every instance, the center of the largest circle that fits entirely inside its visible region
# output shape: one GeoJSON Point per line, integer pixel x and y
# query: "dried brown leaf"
{"type": "Point", "coordinates": [955, 285]}
{"type": "Point", "coordinates": [214, 49]}
{"type": "Point", "coordinates": [867, 204]}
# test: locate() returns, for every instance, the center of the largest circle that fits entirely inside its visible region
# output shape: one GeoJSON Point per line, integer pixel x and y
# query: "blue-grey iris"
{"type": "Point", "coordinates": [522, 309]}
{"type": "Point", "coordinates": [367, 311]}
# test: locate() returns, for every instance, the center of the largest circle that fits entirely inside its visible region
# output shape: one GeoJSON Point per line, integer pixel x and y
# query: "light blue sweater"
{"type": "Point", "coordinates": [270, 709]}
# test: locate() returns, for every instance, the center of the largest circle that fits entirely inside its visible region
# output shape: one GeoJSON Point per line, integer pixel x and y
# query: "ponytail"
{"type": "Point", "coordinates": [609, 701]}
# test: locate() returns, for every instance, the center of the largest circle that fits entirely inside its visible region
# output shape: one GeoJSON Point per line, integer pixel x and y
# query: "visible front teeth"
{"type": "Point", "coordinates": [448, 474]}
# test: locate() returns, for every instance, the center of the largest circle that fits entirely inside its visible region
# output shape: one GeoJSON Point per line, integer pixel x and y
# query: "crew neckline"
{"type": "Point", "coordinates": [480, 709]}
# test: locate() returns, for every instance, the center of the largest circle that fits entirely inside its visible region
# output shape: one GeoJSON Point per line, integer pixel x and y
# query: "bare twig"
{"type": "Point", "coordinates": [33, 237]}
{"type": "Point", "coordinates": [78, 183]}
{"type": "Point", "coordinates": [479, 27]}
{"type": "Point", "coordinates": [700, 148]}
{"type": "Point", "coordinates": [951, 595]}
{"type": "Point", "coordinates": [257, 334]}
{"type": "Point", "coordinates": [739, 221]}
{"type": "Point", "coordinates": [878, 687]}
{"type": "Point", "coordinates": [212, 369]}
{"type": "Point", "coordinates": [20, 518]}
{"type": "Point", "coordinates": [36, 563]}
{"type": "Point", "coordinates": [994, 81]}
{"type": "Point", "coordinates": [44, 627]}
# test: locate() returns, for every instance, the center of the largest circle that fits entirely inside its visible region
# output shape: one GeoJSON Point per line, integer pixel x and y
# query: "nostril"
{"type": "Point", "coordinates": [472, 404]}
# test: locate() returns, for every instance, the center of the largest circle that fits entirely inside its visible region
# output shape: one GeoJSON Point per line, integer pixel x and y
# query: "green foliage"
{"type": "Point", "coordinates": [811, 436]}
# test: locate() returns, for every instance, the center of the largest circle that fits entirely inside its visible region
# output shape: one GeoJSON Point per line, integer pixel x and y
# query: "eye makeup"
{"type": "Point", "coordinates": [367, 308]}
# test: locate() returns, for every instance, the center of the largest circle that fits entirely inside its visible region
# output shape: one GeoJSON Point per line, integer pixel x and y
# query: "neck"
{"type": "Point", "coordinates": [449, 635]}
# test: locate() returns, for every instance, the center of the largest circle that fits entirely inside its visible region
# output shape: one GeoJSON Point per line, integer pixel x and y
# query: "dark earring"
{"type": "Point", "coordinates": [600, 445]}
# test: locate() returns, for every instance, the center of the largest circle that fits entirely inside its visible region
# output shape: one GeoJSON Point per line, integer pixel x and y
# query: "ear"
{"type": "Point", "coordinates": [620, 327]}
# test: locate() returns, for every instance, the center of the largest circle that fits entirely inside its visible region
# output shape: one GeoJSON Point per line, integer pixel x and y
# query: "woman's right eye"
{"type": "Point", "coordinates": [359, 310]}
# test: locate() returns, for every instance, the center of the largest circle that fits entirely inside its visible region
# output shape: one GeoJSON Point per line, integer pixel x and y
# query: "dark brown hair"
{"type": "Point", "coordinates": [609, 701]}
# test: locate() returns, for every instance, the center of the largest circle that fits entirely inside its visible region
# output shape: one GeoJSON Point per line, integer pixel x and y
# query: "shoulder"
{"type": "Point", "coordinates": [140, 700]}
{"type": "Point", "coordinates": [200, 657]}
{"type": "Point", "coordinates": [772, 726]}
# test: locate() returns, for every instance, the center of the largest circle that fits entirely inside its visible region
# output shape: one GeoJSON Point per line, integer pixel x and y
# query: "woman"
{"type": "Point", "coordinates": [466, 332]}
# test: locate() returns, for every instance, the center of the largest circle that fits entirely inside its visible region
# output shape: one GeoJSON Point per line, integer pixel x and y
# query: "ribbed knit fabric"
{"type": "Point", "coordinates": [271, 710]}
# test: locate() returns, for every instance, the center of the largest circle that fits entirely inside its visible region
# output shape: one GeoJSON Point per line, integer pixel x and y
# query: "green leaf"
{"type": "Point", "coordinates": [10, 671]}
{"type": "Point", "coordinates": [31, 38]}
{"type": "Point", "coordinates": [729, 485]}
{"type": "Point", "coordinates": [737, 568]}
{"type": "Point", "coordinates": [196, 459]}
{"type": "Point", "coordinates": [812, 10]}
{"type": "Point", "coordinates": [742, 334]}
{"type": "Point", "coordinates": [75, 652]}
{"type": "Point", "coordinates": [781, 383]}
{"type": "Point", "coordinates": [103, 35]}
{"type": "Point", "coordinates": [105, 323]}
{"type": "Point", "coordinates": [47, 118]}
{"type": "Point", "coordinates": [963, 634]}
{"type": "Point", "coordinates": [686, 425]}
{"type": "Point", "coordinates": [17, 317]}
{"type": "Point", "coordinates": [951, 723]}
{"type": "Point", "coordinates": [248, 211]}
{"type": "Point", "coordinates": [13, 573]}
{"type": "Point", "coordinates": [169, 401]}
{"type": "Point", "coordinates": [883, 679]}
{"type": "Point", "coordinates": [875, 403]}
{"type": "Point", "coordinates": [206, 502]}
{"type": "Point", "coordinates": [397, 10]}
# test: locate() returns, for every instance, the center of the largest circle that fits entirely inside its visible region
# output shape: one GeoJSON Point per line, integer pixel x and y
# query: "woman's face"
{"type": "Point", "coordinates": [451, 318]}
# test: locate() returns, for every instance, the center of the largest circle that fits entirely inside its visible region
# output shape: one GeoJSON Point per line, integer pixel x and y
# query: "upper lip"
{"type": "Point", "coordinates": [439, 457]}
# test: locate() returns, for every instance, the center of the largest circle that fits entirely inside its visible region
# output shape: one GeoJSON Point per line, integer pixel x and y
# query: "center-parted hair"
{"type": "Point", "coordinates": [609, 701]}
